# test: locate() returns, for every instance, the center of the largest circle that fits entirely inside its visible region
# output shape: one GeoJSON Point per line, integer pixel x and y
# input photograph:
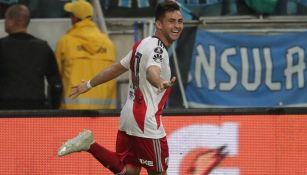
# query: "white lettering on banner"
{"type": "Point", "coordinates": [187, 139]}
{"type": "Point", "coordinates": [208, 67]}
{"type": "Point", "coordinates": [268, 72]}
{"type": "Point", "coordinates": [245, 69]}
{"type": "Point", "coordinates": [231, 71]}
{"type": "Point", "coordinates": [206, 62]}
{"type": "Point", "coordinates": [295, 69]}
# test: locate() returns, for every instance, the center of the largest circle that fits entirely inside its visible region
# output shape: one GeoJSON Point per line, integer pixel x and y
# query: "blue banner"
{"type": "Point", "coordinates": [240, 70]}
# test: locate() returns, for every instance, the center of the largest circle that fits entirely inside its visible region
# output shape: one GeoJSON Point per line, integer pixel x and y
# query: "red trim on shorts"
{"type": "Point", "coordinates": [157, 149]}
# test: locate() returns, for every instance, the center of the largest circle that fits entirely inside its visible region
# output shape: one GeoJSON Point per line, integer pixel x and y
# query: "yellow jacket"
{"type": "Point", "coordinates": [82, 53]}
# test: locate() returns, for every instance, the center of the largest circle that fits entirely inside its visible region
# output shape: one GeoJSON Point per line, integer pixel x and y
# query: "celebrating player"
{"type": "Point", "coordinates": [141, 139]}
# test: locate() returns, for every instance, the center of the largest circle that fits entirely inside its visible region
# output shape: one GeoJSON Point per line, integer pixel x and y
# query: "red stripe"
{"type": "Point", "coordinates": [139, 108]}
{"type": "Point", "coordinates": [161, 105]}
{"type": "Point", "coordinates": [139, 105]}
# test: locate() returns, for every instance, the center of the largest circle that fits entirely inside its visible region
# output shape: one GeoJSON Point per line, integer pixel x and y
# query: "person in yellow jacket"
{"type": "Point", "coordinates": [82, 53]}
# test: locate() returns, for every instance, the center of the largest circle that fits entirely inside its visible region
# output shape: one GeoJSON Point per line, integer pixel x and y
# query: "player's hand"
{"type": "Point", "coordinates": [166, 84]}
{"type": "Point", "coordinates": [78, 89]}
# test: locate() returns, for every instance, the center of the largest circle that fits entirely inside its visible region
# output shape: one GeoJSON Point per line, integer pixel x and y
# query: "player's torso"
{"type": "Point", "coordinates": [141, 113]}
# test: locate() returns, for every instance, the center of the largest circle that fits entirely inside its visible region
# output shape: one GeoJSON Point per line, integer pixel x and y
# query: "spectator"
{"type": "Point", "coordinates": [25, 62]}
{"type": "Point", "coordinates": [81, 53]}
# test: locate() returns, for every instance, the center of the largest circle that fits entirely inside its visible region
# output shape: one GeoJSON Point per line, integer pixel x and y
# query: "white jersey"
{"type": "Point", "coordinates": [141, 115]}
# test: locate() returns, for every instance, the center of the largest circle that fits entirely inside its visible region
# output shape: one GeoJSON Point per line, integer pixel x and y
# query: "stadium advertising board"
{"type": "Point", "coordinates": [232, 145]}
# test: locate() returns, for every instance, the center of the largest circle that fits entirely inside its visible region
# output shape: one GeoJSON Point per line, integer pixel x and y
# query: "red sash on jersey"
{"type": "Point", "coordinates": [161, 105]}
{"type": "Point", "coordinates": [139, 105]}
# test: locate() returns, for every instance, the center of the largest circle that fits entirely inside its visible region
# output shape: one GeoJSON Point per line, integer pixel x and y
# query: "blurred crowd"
{"type": "Point", "coordinates": [145, 8]}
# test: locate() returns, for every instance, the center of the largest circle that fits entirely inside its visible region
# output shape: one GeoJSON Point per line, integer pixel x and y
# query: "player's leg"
{"type": "Point", "coordinates": [125, 148]}
{"type": "Point", "coordinates": [85, 142]}
{"type": "Point", "coordinates": [132, 170]}
{"type": "Point", "coordinates": [108, 159]}
{"type": "Point", "coordinates": [153, 155]}
{"type": "Point", "coordinates": [155, 173]}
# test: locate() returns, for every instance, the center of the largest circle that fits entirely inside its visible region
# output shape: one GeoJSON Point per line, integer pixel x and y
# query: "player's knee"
{"type": "Point", "coordinates": [150, 172]}
{"type": "Point", "coordinates": [132, 170]}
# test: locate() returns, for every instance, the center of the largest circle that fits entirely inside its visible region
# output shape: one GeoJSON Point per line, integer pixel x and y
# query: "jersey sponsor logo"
{"type": "Point", "coordinates": [158, 50]}
{"type": "Point", "coordinates": [158, 58]}
{"type": "Point", "coordinates": [146, 162]}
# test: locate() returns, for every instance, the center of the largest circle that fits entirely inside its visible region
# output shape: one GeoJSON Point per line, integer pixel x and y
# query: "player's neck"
{"type": "Point", "coordinates": [167, 43]}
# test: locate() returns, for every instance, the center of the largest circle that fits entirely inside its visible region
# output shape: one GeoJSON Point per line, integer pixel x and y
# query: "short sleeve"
{"type": "Point", "coordinates": [126, 60]}
{"type": "Point", "coordinates": [155, 56]}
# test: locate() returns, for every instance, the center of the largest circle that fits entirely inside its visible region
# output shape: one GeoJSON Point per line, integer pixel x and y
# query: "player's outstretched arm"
{"type": "Point", "coordinates": [153, 76]}
{"type": "Point", "coordinates": [167, 83]}
{"type": "Point", "coordinates": [106, 75]}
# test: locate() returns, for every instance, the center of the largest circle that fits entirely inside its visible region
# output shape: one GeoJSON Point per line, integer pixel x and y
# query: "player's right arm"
{"type": "Point", "coordinates": [153, 76]}
{"type": "Point", "coordinates": [106, 75]}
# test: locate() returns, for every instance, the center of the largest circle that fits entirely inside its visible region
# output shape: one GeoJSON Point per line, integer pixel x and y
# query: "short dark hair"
{"type": "Point", "coordinates": [20, 14]}
{"type": "Point", "coordinates": [166, 6]}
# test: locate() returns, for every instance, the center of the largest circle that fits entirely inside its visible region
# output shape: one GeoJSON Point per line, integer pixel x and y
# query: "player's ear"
{"type": "Point", "coordinates": [158, 24]}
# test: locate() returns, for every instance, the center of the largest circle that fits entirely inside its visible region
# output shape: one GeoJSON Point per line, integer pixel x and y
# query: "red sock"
{"type": "Point", "coordinates": [108, 159]}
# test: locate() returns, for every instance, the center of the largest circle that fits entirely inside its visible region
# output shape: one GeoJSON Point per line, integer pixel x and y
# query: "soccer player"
{"type": "Point", "coordinates": [141, 139]}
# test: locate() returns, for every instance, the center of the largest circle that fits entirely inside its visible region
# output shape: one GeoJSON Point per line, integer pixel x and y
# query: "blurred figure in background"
{"type": "Point", "coordinates": [82, 53]}
{"type": "Point", "coordinates": [25, 63]}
